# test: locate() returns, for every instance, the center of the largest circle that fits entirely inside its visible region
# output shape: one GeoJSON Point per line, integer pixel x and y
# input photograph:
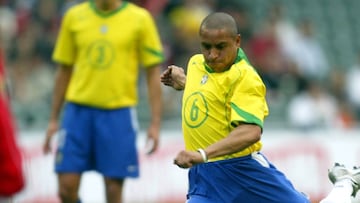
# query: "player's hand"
{"type": "Point", "coordinates": [174, 76]}
{"type": "Point", "coordinates": [50, 132]}
{"type": "Point", "coordinates": [152, 140]}
{"type": "Point", "coordinates": [186, 159]}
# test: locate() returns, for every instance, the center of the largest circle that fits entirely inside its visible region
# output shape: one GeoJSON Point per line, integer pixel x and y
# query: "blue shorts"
{"type": "Point", "coordinates": [246, 179]}
{"type": "Point", "coordinates": [97, 139]}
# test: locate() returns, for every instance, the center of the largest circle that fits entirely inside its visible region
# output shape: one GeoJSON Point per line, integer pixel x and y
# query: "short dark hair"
{"type": "Point", "coordinates": [219, 20]}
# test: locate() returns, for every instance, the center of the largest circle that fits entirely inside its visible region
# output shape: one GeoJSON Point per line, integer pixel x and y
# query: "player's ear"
{"type": "Point", "coordinates": [238, 40]}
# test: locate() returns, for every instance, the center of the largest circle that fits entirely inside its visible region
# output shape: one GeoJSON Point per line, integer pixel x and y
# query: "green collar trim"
{"type": "Point", "coordinates": [107, 14]}
{"type": "Point", "coordinates": [207, 68]}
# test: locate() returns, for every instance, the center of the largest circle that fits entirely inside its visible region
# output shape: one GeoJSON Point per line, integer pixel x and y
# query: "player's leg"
{"type": "Point", "coordinates": [346, 184]}
{"type": "Point", "coordinates": [245, 179]}
{"type": "Point", "coordinates": [340, 193]}
{"type": "Point", "coordinates": [73, 154]}
{"type": "Point", "coordinates": [115, 149]}
{"type": "Point", "coordinates": [276, 186]}
{"type": "Point", "coordinates": [198, 190]}
{"type": "Point", "coordinates": [68, 187]}
{"type": "Point", "coordinates": [342, 189]}
{"type": "Point", "coordinates": [355, 175]}
{"type": "Point", "coordinates": [114, 189]}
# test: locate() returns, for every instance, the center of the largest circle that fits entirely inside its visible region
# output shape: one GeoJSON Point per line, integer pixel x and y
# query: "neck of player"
{"type": "Point", "coordinates": [108, 5]}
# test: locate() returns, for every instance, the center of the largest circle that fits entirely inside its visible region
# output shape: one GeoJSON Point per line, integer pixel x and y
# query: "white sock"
{"type": "Point", "coordinates": [340, 193]}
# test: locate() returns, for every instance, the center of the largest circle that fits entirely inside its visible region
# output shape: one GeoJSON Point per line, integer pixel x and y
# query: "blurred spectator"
{"type": "Point", "coordinates": [286, 32]}
{"type": "Point", "coordinates": [265, 55]}
{"type": "Point", "coordinates": [8, 26]}
{"type": "Point", "coordinates": [287, 35]}
{"type": "Point", "coordinates": [337, 86]}
{"type": "Point", "coordinates": [313, 108]}
{"type": "Point", "coordinates": [352, 86]}
{"type": "Point", "coordinates": [30, 76]}
{"type": "Point", "coordinates": [336, 82]}
{"type": "Point", "coordinates": [240, 12]}
{"type": "Point", "coordinates": [308, 54]}
{"type": "Point", "coordinates": [155, 7]}
{"type": "Point", "coordinates": [185, 18]}
{"type": "Point", "coordinates": [346, 116]}
{"type": "Point", "coordinates": [47, 19]}
{"type": "Point", "coordinates": [67, 4]}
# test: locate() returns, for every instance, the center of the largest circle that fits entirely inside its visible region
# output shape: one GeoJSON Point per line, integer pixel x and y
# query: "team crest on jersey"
{"type": "Point", "coordinates": [103, 29]}
{"type": "Point", "coordinates": [204, 79]}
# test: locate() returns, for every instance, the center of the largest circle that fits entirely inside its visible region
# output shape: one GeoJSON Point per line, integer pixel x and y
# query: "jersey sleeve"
{"type": "Point", "coordinates": [248, 104]}
{"type": "Point", "coordinates": [64, 51]}
{"type": "Point", "coordinates": [151, 51]}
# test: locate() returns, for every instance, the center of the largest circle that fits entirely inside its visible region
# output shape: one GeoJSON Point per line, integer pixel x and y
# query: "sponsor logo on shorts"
{"type": "Point", "coordinates": [131, 168]}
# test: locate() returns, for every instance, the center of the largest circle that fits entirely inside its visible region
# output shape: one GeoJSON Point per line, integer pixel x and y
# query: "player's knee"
{"type": "Point", "coordinates": [68, 195]}
{"type": "Point", "coordinates": [114, 189]}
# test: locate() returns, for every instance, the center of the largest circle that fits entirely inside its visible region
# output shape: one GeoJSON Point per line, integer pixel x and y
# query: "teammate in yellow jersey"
{"type": "Point", "coordinates": [223, 110]}
{"type": "Point", "coordinates": [100, 47]}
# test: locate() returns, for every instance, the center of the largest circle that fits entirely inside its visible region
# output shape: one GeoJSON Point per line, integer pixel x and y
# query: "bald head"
{"type": "Point", "coordinates": [218, 21]}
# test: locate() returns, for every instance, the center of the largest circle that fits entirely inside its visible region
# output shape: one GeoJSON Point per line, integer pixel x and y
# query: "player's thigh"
{"type": "Point", "coordinates": [115, 143]}
{"type": "Point", "coordinates": [74, 151]}
{"type": "Point", "coordinates": [113, 186]}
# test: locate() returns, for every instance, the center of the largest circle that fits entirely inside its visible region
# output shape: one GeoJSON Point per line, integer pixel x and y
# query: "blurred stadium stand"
{"type": "Point", "coordinates": [336, 23]}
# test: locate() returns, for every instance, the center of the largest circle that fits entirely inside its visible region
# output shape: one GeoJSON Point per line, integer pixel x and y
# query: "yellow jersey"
{"type": "Point", "coordinates": [214, 103]}
{"type": "Point", "coordinates": [106, 51]}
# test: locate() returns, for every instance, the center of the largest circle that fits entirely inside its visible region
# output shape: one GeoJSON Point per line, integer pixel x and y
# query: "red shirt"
{"type": "Point", "coordinates": [11, 171]}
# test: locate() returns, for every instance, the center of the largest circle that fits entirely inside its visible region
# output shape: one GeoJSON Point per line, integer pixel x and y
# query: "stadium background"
{"type": "Point", "coordinates": [270, 31]}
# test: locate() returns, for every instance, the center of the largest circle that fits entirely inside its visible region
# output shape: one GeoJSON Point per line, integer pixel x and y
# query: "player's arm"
{"type": "Point", "coordinates": [155, 95]}
{"type": "Point", "coordinates": [62, 79]}
{"type": "Point", "coordinates": [243, 136]}
{"type": "Point", "coordinates": [174, 76]}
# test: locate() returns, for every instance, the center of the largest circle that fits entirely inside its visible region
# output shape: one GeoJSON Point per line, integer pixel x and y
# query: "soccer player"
{"type": "Point", "coordinates": [346, 184]}
{"type": "Point", "coordinates": [100, 47]}
{"type": "Point", "coordinates": [223, 111]}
